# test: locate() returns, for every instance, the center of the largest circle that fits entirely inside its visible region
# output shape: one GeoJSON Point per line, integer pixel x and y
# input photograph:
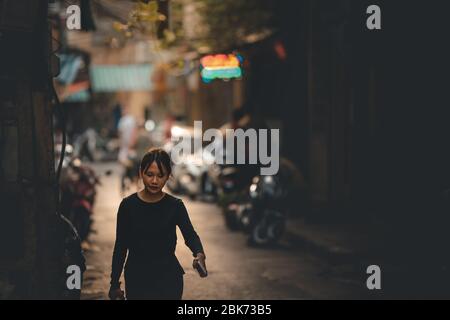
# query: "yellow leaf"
{"type": "Point", "coordinates": [119, 26]}
{"type": "Point", "coordinates": [142, 6]}
{"type": "Point", "coordinates": [153, 6]}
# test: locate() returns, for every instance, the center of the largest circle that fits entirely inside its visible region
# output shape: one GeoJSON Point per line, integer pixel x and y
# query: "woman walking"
{"type": "Point", "coordinates": [146, 230]}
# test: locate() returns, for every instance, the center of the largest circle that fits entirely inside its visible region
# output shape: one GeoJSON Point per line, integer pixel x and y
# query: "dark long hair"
{"type": "Point", "coordinates": [158, 155]}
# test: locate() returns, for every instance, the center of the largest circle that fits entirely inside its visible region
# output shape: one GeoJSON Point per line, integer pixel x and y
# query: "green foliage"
{"type": "Point", "coordinates": [231, 22]}
{"type": "Point", "coordinates": [144, 18]}
{"type": "Point", "coordinates": [227, 23]}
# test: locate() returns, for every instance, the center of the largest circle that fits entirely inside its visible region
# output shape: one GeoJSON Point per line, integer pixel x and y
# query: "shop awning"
{"type": "Point", "coordinates": [111, 78]}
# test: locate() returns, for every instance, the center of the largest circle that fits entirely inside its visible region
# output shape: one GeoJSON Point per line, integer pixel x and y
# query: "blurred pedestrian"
{"type": "Point", "coordinates": [117, 114]}
{"type": "Point", "coordinates": [127, 157]}
{"type": "Point", "coordinates": [127, 134]}
{"type": "Point", "coordinates": [85, 145]}
{"type": "Point", "coordinates": [144, 141]}
{"type": "Point", "coordinates": [146, 230]}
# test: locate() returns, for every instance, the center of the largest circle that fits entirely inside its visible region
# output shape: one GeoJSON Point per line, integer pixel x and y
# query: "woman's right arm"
{"type": "Point", "coordinates": [120, 247]}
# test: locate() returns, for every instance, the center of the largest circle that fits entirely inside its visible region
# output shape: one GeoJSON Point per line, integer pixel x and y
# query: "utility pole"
{"type": "Point", "coordinates": [30, 244]}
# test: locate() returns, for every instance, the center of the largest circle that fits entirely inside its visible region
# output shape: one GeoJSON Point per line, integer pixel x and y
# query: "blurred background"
{"type": "Point", "coordinates": [363, 176]}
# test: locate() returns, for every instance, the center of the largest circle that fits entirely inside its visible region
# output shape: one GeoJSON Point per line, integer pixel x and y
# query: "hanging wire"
{"type": "Point", "coordinates": [63, 118]}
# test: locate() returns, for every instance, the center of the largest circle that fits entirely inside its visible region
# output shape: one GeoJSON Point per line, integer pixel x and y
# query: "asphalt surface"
{"type": "Point", "coordinates": [236, 271]}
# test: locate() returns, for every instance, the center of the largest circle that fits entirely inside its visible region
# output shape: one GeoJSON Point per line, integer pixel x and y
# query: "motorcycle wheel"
{"type": "Point", "coordinates": [259, 235]}
{"type": "Point", "coordinates": [230, 220]}
{"type": "Point", "coordinates": [276, 229]}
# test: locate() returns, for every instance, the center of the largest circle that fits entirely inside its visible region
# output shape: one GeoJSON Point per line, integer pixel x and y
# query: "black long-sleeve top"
{"type": "Point", "coordinates": [147, 231]}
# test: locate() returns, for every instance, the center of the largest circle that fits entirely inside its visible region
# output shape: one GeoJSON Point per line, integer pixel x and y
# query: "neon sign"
{"type": "Point", "coordinates": [221, 66]}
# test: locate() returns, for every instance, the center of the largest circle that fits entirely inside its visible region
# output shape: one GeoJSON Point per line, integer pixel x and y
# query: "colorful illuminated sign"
{"type": "Point", "coordinates": [221, 66]}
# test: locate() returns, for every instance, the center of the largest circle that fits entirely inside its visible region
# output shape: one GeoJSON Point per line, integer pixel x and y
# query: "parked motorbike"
{"type": "Point", "coordinates": [78, 194]}
{"type": "Point", "coordinates": [232, 188]}
{"type": "Point", "coordinates": [130, 174]}
{"type": "Point", "coordinates": [68, 155]}
{"type": "Point", "coordinates": [190, 174]}
{"type": "Point", "coordinates": [72, 256]}
{"type": "Point", "coordinates": [91, 146]}
{"type": "Point", "coordinates": [262, 212]}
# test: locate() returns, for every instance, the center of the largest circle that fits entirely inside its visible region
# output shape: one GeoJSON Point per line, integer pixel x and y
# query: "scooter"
{"type": "Point", "coordinates": [233, 184]}
{"type": "Point", "coordinates": [73, 256]}
{"type": "Point", "coordinates": [130, 174]}
{"type": "Point", "coordinates": [78, 188]}
{"type": "Point", "coordinates": [262, 215]}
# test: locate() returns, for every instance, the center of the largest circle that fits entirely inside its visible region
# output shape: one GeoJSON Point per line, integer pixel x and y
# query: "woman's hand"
{"type": "Point", "coordinates": [116, 294]}
{"type": "Point", "coordinates": [200, 265]}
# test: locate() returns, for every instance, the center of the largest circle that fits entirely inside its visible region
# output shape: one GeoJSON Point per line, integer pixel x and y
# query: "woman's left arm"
{"type": "Point", "coordinates": [191, 238]}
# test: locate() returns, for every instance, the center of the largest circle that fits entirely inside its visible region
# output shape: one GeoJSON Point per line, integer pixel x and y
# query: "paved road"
{"type": "Point", "coordinates": [236, 271]}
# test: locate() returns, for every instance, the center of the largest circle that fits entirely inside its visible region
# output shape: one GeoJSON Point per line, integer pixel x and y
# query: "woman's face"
{"type": "Point", "coordinates": [153, 179]}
